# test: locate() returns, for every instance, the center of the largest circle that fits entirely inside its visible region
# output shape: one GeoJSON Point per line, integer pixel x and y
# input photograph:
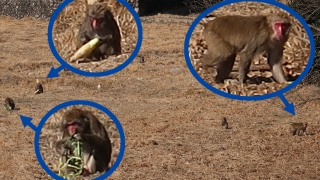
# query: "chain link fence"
{"type": "Point", "coordinates": [41, 9]}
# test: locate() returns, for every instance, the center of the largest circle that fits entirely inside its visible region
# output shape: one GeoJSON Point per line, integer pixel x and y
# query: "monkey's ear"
{"type": "Point", "coordinates": [108, 14]}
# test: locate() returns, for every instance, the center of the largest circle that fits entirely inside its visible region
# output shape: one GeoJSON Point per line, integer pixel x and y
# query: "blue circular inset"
{"type": "Point", "coordinates": [249, 98]}
{"type": "Point", "coordinates": [94, 74]}
{"type": "Point", "coordinates": [79, 102]}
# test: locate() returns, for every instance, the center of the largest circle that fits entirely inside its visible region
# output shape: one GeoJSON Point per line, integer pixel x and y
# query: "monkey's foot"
{"type": "Point", "coordinates": [85, 60]}
{"type": "Point", "coordinates": [85, 172]}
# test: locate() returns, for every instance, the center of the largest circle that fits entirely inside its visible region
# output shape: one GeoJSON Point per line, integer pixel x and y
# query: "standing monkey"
{"type": "Point", "coordinates": [296, 128]}
{"type": "Point", "coordinates": [99, 23]}
{"type": "Point", "coordinates": [83, 126]}
{"type": "Point", "coordinates": [245, 36]}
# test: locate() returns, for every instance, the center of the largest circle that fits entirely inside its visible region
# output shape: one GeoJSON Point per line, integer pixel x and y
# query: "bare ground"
{"type": "Point", "coordinates": [172, 124]}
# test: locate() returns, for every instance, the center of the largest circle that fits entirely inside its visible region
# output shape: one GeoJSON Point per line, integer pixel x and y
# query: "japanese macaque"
{"type": "Point", "coordinates": [245, 36]}
{"type": "Point", "coordinates": [9, 104]}
{"type": "Point", "coordinates": [83, 126]}
{"type": "Point", "coordinates": [225, 123]}
{"type": "Point", "coordinates": [296, 128]}
{"type": "Point", "coordinates": [38, 88]}
{"type": "Point", "coordinates": [100, 23]}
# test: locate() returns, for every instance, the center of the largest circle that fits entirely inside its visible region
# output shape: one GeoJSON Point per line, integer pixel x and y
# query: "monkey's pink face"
{"type": "Point", "coordinates": [94, 23]}
{"type": "Point", "coordinates": [72, 128]}
{"type": "Point", "coordinates": [281, 29]}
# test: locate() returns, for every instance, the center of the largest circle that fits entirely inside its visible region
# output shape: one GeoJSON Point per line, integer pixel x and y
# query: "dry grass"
{"type": "Point", "coordinates": [66, 29]}
{"type": "Point", "coordinates": [172, 124]}
{"type": "Point", "coordinates": [295, 59]}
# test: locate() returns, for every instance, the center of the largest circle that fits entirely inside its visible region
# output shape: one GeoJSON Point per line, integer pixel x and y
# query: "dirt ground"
{"type": "Point", "coordinates": [172, 124]}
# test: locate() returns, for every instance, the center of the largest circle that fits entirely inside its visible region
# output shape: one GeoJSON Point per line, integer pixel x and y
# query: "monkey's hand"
{"type": "Point", "coordinates": [77, 137]}
{"type": "Point", "coordinates": [63, 147]}
{"type": "Point", "coordinates": [104, 38]}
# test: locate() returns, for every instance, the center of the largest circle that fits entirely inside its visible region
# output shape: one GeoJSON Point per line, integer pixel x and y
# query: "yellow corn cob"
{"type": "Point", "coordinates": [85, 50]}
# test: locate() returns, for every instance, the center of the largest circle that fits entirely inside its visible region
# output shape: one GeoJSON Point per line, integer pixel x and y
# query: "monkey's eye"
{"type": "Point", "coordinates": [71, 124]}
{"type": "Point", "coordinates": [281, 27]}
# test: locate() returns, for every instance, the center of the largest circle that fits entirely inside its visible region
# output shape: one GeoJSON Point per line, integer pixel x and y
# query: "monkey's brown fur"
{"type": "Point", "coordinates": [245, 36]}
{"type": "Point", "coordinates": [296, 128]}
{"type": "Point", "coordinates": [99, 22]}
{"type": "Point", "coordinates": [84, 126]}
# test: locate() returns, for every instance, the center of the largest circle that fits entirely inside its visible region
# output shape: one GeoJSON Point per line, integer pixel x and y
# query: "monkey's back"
{"type": "Point", "coordinates": [245, 31]}
{"type": "Point", "coordinates": [99, 128]}
{"type": "Point", "coordinates": [105, 155]}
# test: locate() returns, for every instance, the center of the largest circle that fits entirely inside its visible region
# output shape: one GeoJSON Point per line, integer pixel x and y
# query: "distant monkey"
{"type": "Point", "coordinates": [141, 59]}
{"type": "Point", "coordinates": [9, 104]}
{"type": "Point", "coordinates": [246, 36]}
{"type": "Point", "coordinates": [296, 128]}
{"type": "Point", "coordinates": [225, 123]}
{"type": "Point", "coordinates": [38, 88]}
{"type": "Point", "coordinates": [99, 22]}
{"type": "Point", "coordinates": [84, 126]}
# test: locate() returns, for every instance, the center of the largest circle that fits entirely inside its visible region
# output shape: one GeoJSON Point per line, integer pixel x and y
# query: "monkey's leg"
{"type": "Point", "coordinates": [223, 55]}
{"type": "Point", "coordinates": [89, 164]}
{"type": "Point", "coordinates": [299, 132]}
{"type": "Point", "coordinates": [244, 66]}
{"type": "Point", "coordinates": [224, 68]}
{"type": "Point", "coordinates": [95, 55]}
{"type": "Point", "coordinates": [294, 132]}
{"type": "Point", "coordinates": [117, 47]}
{"type": "Point", "coordinates": [275, 63]}
{"type": "Point", "coordinates": [206, 63]}
{"type": "Point", "coordinates": [98, 152]}
{"type": "Point", "coordinates": [103, 51]}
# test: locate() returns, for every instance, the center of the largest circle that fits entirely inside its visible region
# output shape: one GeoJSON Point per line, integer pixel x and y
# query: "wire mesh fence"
{"type": "Point", "coordinates": [41, 9]}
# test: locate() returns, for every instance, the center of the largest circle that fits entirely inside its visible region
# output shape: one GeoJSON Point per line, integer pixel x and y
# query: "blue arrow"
{"type": "Point", "coordinates": [26, 121]}
{"type": "Point", "coordinates": [289, 107]}
{"type": "Point", "coordinates": [54, 72]}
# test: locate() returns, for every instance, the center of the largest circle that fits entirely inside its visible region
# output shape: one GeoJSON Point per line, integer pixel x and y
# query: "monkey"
{"type": "Point", "coordinates": [38, 88]}
{"type": "Point", "coordinates": [83, 126]}
{"type": "Point", "coordinates": [9, 104]}
{"type": "Point", "coordinates": [296, 128]}
{"type": "Point", "coordinates": [245, 36]}
{"type": "Point", "coordinates": [225, 123]}
{"type": "Point", "coordinates": [100, 23]}
{"type": "Point", "coordinates": [141, 59]}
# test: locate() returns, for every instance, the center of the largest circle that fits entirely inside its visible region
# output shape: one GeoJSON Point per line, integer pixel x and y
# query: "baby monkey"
{"type": "Point", "coordinates": [296, 128]}
{"type": "Point", "coordinates": [83, 126]}
{"type": "Point", "coordinates": [99, 23]}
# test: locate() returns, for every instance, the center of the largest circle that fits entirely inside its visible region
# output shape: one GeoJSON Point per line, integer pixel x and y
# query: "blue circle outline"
{"type": "Point", "coordinates": [79, 102]}
{"type": "Point", "coordinates": [249, 98]}
{"type": "Point", "coordinates": [94, 74]}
